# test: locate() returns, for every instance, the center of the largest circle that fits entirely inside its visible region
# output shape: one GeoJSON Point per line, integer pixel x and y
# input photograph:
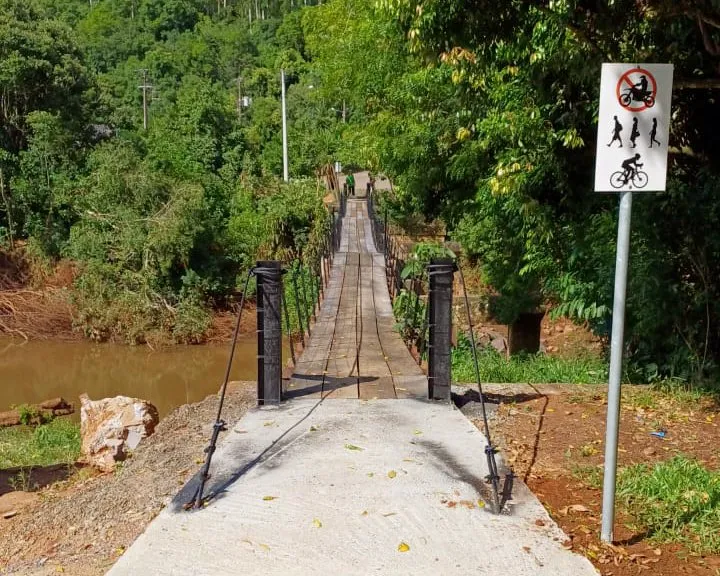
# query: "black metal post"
{"type": "Point", "coordinates": [422, 346]}
{"type": "Point", "coordinates": [314, 292]}
{"type": "Point", "coordinates": [416, 291]}
{"type": "Point", "coordinates": [440, 272]}
{"type": "Point", "coordinates": [332, 228]}
{"type": "Point", "coordinates": [303, 292]}
{"type": "Point", "coordinates": [297, 306]}
{"type": "Point", "coordinates": [385, 238]}
{"type": "Point", "coordinates": [288, 327]}
{"type": "Point", "coordinates": [269, 299]}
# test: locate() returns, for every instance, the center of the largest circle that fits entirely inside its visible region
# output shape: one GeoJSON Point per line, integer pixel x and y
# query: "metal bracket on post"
{"type": "Point", "coordinates": [440, 273]}
{"type": "Point", "coordinates": [269, 330]}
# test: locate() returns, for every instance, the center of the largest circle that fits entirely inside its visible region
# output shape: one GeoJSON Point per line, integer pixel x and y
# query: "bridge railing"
{"type": "Point", "coordinates": [304, 285]}
{"type": "Point", "coordinates": [408, 291]}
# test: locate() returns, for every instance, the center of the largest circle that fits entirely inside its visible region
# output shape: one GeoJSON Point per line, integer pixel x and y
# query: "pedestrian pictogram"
{"type": "Point", "coordinates": [617, 129]}
{"type": "Point", "coordinates": [637, 90]}
{"type": "Point", "coordinates": [634, 118]}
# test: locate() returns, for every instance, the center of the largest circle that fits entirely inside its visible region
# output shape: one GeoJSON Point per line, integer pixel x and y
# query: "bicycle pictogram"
{"type": "Point", "coordinates": [630, 175]}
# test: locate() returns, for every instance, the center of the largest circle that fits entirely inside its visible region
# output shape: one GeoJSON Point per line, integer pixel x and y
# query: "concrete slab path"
{"type": "Point", "coordinates": [356, 474]}
{"type": "Point", "coordinates": [341, 487]}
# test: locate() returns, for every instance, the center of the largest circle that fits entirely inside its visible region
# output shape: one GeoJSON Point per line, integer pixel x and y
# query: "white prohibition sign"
{"type": "Point", "coordinates": [633, 127]}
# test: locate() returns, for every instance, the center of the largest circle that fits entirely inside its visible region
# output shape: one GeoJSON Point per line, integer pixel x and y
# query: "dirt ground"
{"type": "Point", "coordinates": [554, 442]}
{"type": "Point", "coordinates": [81, 525]}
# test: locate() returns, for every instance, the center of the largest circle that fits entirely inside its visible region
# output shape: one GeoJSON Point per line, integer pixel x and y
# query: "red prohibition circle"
{"type": "Point", "coordinates": [625, 82]}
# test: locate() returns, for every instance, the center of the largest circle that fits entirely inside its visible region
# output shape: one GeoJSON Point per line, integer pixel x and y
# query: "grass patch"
{"type": "Point", "coordinates": [57, 442]}
{"type": "Point", "coordinates": [533, 369]}
{"type": "Point", "coordinates": [675, 501]}
{"type": "Point", "coordinates": [591, 476]}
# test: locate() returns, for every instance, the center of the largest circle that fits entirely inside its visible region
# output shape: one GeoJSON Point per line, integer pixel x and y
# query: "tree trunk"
{"type": "Point", "coordinates": [8, 210]}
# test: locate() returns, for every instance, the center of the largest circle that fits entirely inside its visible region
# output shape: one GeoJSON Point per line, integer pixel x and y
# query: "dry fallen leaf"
{"type": "Point", "coordinates": [313, 429]}
{"type": "Point", "coordinates": [403, 547]}
{"type": "Point", "coordinates": [481, 504]}
{"type": "Point", "coordinates": [317, 523]}
{"type": "Point", "coordinates": [578, 508]}
{"type": "Point", "coordinates": [352, 447]}
{"type": "Point", "coordinates": [392, 474]}
{"type": "Point", "coordinates": [364, 513]}
{"type": "Point", "coordinates": [417, 432]}
{"type": "Point", "coordinates": [268, 498]}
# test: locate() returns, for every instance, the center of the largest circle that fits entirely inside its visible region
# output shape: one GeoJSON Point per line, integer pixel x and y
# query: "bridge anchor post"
{"type": "Point", "coordinates": [441, 273]}
{"type": "Point", "coordinates": [269, 331]}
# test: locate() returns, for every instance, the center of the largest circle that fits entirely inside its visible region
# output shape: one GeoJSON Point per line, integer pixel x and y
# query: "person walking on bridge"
{"type": "Point", "coordinates": [350, 181]}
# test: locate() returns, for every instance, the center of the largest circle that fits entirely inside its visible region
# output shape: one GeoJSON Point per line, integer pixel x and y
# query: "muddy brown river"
{"type": "Point", "coordinates": [31, 372]}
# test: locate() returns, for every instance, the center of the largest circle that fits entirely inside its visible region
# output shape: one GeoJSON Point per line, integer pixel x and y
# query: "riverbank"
{"type": "Point", "coordinates": [38, 302]}
{"type": "Point", "coordinates": [82, 524]}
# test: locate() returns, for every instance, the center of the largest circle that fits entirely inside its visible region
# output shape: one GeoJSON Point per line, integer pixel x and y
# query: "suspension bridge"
{"type": "Point", "coordinates": [355, 471]}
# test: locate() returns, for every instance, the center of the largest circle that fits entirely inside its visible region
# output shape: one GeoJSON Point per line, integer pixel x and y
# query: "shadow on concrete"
{"type": "Point", "coordinates": [325, 384]}
{"type": "Point", "coordinates": [507, 488]}
{"type": "Point", "coordinates": [459, 471]}
{"type": "Point", "coordinates": [216, 487]}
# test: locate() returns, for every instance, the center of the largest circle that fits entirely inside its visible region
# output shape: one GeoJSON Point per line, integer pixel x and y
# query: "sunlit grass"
{"type": "Point", "coordinates": [675, 501]}
{"type": "Point", "coordinates": [57, 442]}
{"type": "Point", "coordinates": [533, 369]}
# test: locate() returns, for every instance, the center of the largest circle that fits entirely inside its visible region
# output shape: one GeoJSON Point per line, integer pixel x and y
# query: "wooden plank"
{"type": "Point", "coordinates": [356, 321]}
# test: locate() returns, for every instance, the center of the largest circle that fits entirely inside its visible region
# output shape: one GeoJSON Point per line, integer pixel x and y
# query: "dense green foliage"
{"type": "Point", "coordinates": [162, 222]}
{"type": "Point", "coordinates": [483, 113]}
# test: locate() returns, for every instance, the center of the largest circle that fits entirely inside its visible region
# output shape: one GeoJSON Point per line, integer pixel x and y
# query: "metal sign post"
{"type": "Point", "coordinates": [633, 131]}
{"type": "Point", "coordinates": [616, 358]}
{"type": "Point", "coordinates": [286, 163]}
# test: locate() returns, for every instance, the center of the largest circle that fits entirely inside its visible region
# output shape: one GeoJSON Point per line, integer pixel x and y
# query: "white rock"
{"type": "Point", "coordinates": [111, 426]}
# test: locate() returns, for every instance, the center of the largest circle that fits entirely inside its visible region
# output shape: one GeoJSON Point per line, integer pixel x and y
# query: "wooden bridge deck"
{"type": "Point", "coordinates": [354, 351]}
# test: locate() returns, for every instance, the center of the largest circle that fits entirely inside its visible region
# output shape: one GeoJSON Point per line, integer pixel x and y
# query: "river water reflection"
{"type": "Point", "coordinates": [31, 372]}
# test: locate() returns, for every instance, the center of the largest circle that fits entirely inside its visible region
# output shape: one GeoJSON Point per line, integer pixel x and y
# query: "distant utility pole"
{"type": "Point", "coordinates": [145, 87]}
{"type": "Point", "coordinates": [239, 81]}
{"type": "Point", "coordinates": [286, 170]}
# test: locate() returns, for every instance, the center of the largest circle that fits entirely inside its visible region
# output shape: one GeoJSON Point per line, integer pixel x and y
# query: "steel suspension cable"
{"type": "Point", "coordinates": [489, 448]}
{"type": "Point", "coordinates": [219, 425]}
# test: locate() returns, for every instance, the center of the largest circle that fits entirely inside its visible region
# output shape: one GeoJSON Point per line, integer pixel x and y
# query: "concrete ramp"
{"type": "Point", "coordinates": [352, 487]}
